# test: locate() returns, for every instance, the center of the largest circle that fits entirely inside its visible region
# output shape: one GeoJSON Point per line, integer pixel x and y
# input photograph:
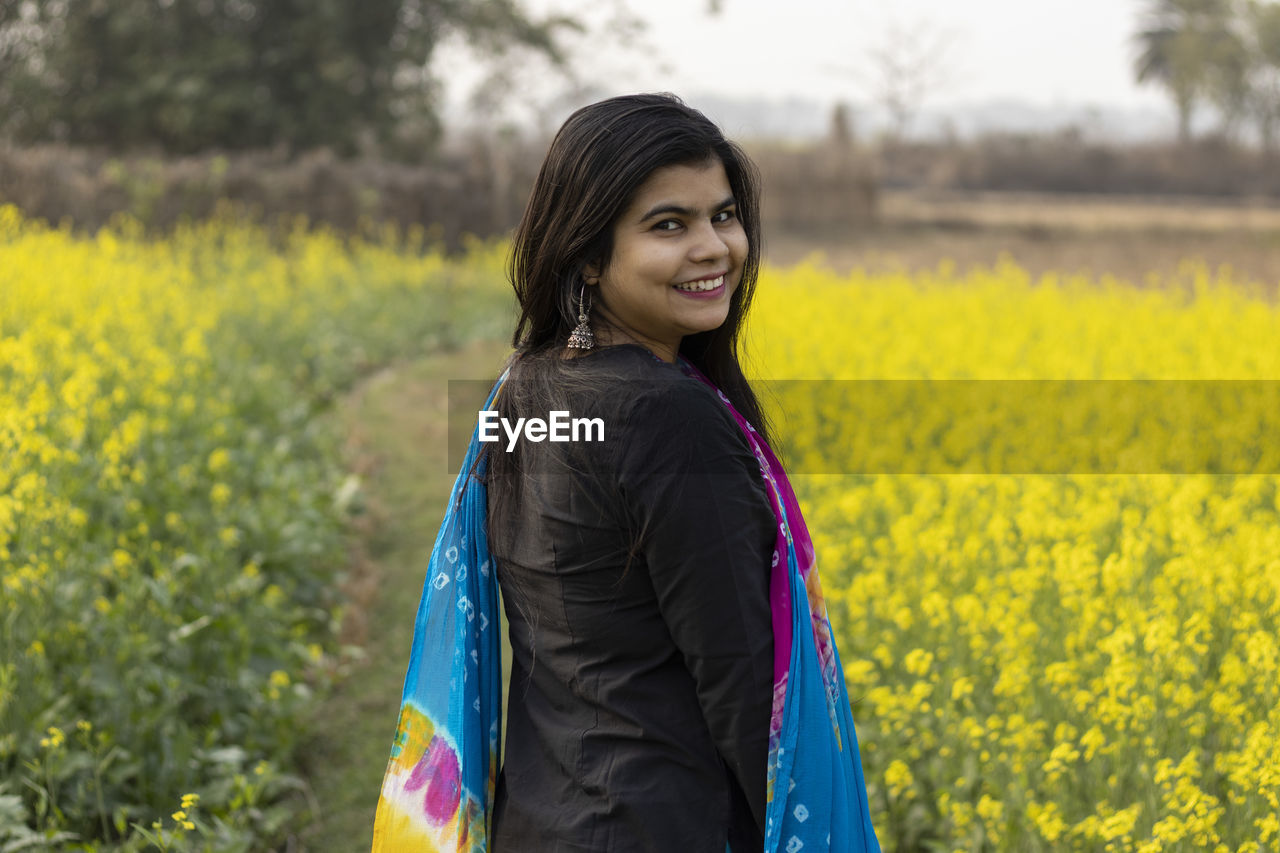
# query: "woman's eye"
{"type": "Point", "coordinates": [667, 225]}
{"type": "Point", "coordinates": [725, 215]}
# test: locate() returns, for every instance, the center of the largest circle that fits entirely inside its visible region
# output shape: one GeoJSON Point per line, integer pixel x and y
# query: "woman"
{"type": "Point", "coordinates": [673, 683]}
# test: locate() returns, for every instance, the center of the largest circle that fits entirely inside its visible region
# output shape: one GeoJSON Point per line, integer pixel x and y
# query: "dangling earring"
{"type": "Point", "coordinates": [582, 337]}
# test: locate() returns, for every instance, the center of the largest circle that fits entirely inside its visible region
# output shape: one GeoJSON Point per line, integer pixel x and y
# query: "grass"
{"type": "Point", "coordinates": [396, 423]}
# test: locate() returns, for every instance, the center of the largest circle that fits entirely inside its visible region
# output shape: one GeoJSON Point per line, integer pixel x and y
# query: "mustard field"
{"type": "Point", "coordinates": [1036, 661]}
{"type": "Point", "coordinates": [1044, 662]}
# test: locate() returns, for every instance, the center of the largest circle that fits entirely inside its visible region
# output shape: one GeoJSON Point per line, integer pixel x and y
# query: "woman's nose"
{"type": "Point", "coordinates": [708, 244]}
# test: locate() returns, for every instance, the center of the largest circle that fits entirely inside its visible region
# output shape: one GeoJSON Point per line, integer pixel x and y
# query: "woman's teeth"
{"type": "Point", "coordinates": [698, 286]}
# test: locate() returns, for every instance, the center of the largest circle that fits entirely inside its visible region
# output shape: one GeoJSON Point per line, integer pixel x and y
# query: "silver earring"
{"type": "Point", "coordinates": [582, 337]}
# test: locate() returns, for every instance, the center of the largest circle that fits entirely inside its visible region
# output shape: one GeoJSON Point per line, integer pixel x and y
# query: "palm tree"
{"type": "Point", "coordinates": [1178, 44]}
{"type": "Point", "coordinates": [1264, 90]}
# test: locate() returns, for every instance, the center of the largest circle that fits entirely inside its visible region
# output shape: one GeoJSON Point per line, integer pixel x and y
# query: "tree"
{"type": "Point", "coordinates": [905, 68]}
{"type": "Point", "coordinates": [910, 66]}
{"type": "Point", "coordinates": [1262, 28]}
{"type": "Point", "coordinates": [1187, 47]}
{"type": "Point", "coordinates": [1227, 72]}
{"type": "Point", "coordinates": [840, 133]}
{"type": "Point", "coordinates": [192, 74]}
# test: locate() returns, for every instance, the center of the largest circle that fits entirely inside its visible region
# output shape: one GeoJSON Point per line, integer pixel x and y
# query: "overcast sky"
{"type": "Point", "coordinates": [1044, 52]}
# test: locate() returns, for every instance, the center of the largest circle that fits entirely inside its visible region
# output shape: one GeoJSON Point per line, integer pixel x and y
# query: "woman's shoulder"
{"type": "Point", "coordinates": [631, 390]}
{"type": "Point", "coordinates": [623, 360]}
{"type": "Point", "coordinates": [636, 381]}
{"type": "Point", "coordinates": [666, 421]}
{"type": "Point", "coordinates": [618, 376]}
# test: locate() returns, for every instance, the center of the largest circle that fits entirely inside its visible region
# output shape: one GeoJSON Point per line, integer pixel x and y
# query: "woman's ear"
{"type": "Point", "coordinates": [591, 273]}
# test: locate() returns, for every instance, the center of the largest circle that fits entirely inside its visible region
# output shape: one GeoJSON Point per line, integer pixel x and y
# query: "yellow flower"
{"type": "Point", "coordinates": [918, 662]}
{"type": "Point", "coordinates": [990, 809]}
{"type": "Point", "coordinates": [1092, 741]}
{"type": "Point", "coordinates": [1048, 820]}
{"type": "Point", "coordinates": [1267, 827]}
{"type": "Point", "coordinates": [218, 460]}
{"type": "Point", "coordinates": [898, 777]}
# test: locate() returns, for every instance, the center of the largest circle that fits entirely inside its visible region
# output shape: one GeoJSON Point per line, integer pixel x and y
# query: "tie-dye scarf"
{"type": "Point", "coordinates": [437, 793]}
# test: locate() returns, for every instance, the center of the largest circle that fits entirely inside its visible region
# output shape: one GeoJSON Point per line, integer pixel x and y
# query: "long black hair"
{"type": "Point", "coordinates": [597, 162]}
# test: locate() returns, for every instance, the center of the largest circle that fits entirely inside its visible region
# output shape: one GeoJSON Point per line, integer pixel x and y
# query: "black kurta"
{"type": "Point", "coordinates": [640, 694]}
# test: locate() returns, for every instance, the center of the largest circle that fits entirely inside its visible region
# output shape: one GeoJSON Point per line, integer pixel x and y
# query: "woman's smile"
{"type": "Point", "coordinates": [703, 288]}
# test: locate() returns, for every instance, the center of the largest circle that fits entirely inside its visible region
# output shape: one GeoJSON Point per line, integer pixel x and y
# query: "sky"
{"type": "Point", "coordinates": [1045, 52]}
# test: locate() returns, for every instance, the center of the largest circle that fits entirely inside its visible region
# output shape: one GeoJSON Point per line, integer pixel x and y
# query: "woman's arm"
{"type": "Point", "coordinates": [694, 493]}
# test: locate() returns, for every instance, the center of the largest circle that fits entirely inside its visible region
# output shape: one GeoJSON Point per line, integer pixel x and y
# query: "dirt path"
{"type": "Point", "coordinates": [396, 422]}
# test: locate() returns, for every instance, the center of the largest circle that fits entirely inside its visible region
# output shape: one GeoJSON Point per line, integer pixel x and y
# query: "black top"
{"type": "Point", "coordinates": [640, 694]}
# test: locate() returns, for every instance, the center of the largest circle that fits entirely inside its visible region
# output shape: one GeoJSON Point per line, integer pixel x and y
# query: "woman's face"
{"type": "Point", "coordinates": [678, 252]}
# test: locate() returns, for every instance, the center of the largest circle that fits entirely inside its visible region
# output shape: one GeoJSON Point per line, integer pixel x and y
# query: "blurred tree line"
{"type": "Point", "coordinates": [1225, 53]}
{"type": "Point", "coordinates": [188, 75]}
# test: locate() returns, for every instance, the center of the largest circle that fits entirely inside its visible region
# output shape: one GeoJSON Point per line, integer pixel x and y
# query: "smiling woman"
{"type": "Point", "coordinates": [674, 684]}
